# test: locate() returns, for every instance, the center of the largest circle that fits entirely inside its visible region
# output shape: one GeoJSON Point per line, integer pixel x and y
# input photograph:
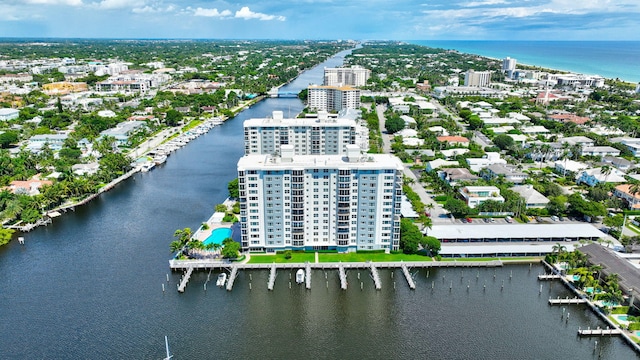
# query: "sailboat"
{"type": "Point", "coordinates": [166, 345]}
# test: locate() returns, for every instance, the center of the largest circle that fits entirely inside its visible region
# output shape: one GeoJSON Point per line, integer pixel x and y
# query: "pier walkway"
{"type": "Point", "coordinates": [221, 264]}
{"type": "Point", "coordinates": [564, 301]}
{"type": "Point", "coordinates": [232, 278]}
{"type": "Point", "coordinates": [599, 332]}
{"type": "Point", "coordinates": [307, 278]}
{"type": "Point", "coordinates": [343, 277]}
{"type": "Point", "coordinates": [549, 277]}
{"type": "Point", "coordinates": [185, 280]}
{"type": "Point", "coordinates": [375, 276]}
{"type": "Point", "coordinates": [407, 275]}
{"type": "Point", "coordinates": [272, 277]}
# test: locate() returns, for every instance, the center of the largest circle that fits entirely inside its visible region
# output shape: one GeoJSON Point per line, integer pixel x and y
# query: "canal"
{"type": "Point", "coordinates": [90, 286]}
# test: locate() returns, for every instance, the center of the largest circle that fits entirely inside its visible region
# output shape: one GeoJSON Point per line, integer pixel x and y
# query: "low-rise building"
{"type": "Point", "coordinates": [123, 131]}
{"type": "Point", "coordinates": [569, 167]}
{"type": "Point", "coordinates": [532, 198]}
{"type": "Point", "coordinates": [510, 173]}
{"type": "Point", "coordinates": [593, 177]}
{"type": "Point", "coordinates": [54, 141]}
{"type": "Point", "coordinates": [85, 169]}
{"type": "Point", "coordinates": [454, 140]}
{"type": "Point", "coordinates": [618, 162]}
{"type": "Point", "coordinates": [7, 114]}
{"type": "Point", "coordinates": [438, 163]}
{"type": "Point", "coordinates": [476, 195]}
{"type": "Point", "coordinates": [624, 192]}
{"type": "Point", "coordinates": [453, 176]}
{"type": "Point", "coordinates": [490, 158]}
{"type": "Point", "coordinates": [600, 151]}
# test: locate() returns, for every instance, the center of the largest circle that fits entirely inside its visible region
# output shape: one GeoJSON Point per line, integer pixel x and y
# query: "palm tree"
{"type": "Point", "coordinates": [558, 249]}
{"type": "Point", "coordinates": [606, 171]}
{"type": "Point", "coordinates": [175, 246]}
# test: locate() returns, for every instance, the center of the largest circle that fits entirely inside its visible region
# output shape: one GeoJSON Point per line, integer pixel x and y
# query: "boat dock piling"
{"type": "Point", "coordinates": [232, 278]}
{"type": "Point", "coordinates": [185, 280]}
{"type": "Point", "coordinates": [375, 276]}
{"type": "Point", "coordinates": [307, 278]}
{"type": "Point", "coordinates": [405, 270]}
{"type": "Point", "coordinates": [343, 277]}
{"type": "Point", "coordinates": [574, 300]}
{"type": "Point", "coordinates": [272, 277]}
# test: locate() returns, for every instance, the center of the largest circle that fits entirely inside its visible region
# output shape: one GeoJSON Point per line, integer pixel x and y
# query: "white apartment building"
{"type": "Point", "coordinates": [322, 135]}
{"type": "Point", "coordinates": [476, 195]}
{"type": "Point", "coordinates": [354, 76]}
{"type": "Point", "coordinates": [477, 78]}
{"type": "Point", "coordinates": [333, 98]}
{"type": "Point", "coordinates": [320, 202]}
{"type": "Point", "coordinates": [509, 64]}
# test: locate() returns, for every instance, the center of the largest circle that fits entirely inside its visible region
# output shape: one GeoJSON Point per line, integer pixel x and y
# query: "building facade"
{"type": "Point", "coordinates": [477, 78]}
{"type": "Point", "coordinates": [323, 135]}
{"type": "Point", "coordinates": [333, 98]}
{"type": "Point", "coordinates": [320, 202]}
{"type": "Point", "coordinates": [353, 76]}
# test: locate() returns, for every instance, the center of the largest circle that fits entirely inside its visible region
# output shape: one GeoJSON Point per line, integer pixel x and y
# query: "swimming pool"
{"type": "Point", "coordinates": [217, 236]}
{"type": "Point", "coordinates": [622, 317]}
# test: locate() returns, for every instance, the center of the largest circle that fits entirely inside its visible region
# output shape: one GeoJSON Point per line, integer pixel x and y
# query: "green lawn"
{"type": "Point", "coordinates": [364, 256]}
{"type": "Point", "coordinates": [279, 258]}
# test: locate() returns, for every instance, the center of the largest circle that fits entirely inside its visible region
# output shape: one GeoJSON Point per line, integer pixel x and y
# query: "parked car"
{"type": "Point", "coordinates": [486, 220]}
{"type": "Point", "coordinates": [554, 218]}
{"type": "Point", "coordinates": [464, 220]}
{"type": "Point", "coordinates": [469, 220]}
{"type": "Point", "coordinates": [560, 218]}
{"type": "Point", "coordinates": [538, 219]}
{"type": "Point", "coordinates": [508, 219]}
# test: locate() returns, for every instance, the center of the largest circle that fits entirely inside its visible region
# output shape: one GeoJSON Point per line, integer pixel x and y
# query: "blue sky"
{"type": "Point", "coordinates": [324, 19]}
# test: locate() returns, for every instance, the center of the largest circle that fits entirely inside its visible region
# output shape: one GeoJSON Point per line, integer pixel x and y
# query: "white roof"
{"type": "Point", "coordinates": [406, 209]}
{"type": "Point", "coordinates": [493, 248]}
{"type": "Point", "coordinates": [514, 231]}
{"type": "Point", "coordinates": [8, 111]}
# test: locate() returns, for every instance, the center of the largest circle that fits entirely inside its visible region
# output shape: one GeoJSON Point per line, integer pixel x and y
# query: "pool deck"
{"type": "Point", "coordinates": [214, 222]}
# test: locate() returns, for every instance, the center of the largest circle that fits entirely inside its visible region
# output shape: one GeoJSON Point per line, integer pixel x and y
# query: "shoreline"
{"type": "Point", "coordinates": [541, 67]}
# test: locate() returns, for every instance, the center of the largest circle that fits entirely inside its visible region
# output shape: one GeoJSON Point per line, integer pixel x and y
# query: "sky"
{"type": "Point", "coordinates": [324, 19]}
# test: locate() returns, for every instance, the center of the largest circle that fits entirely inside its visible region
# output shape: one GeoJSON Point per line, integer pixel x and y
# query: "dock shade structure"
{"type": "Point", "coordinates": [492, 233]}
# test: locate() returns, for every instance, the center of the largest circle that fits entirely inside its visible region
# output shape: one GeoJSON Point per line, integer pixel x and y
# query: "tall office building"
{"type": "Point", "coordinates": [354, 76]}
{"type": "Point", "coordinates": [322, 135]}
{"type": "Point", "coordinates": [320, 202]}
{"type": "Point", "coordinates": [332, 98]}
{"type": "Point", "coordinates": [477, 78]}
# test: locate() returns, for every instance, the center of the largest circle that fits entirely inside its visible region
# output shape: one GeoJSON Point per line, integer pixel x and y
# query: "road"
{"type": "Point", "coordinates": [438, 214]}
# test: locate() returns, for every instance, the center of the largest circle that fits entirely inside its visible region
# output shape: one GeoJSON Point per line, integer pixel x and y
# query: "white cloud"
{"type": "Point", "coordinates": [151, 9]}
{"type": "Point", "coordinates": [484, 3]}
{"type": "Point", "coordinates": [121, 4]}
{"type": "Point", "coordinates": [212, 13]}
{"type": "Point", "coordinates": [246, 13]}
{"type": "Point", "coordinates": [55, 2]}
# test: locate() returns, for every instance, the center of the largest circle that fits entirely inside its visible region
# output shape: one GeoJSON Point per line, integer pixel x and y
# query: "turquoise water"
{"type": "Point", "coordinates": [623, 317]}
{"type": "Point", "coordinates": [611, 59]}
{"type": "Point", "coordinates": [217, 236]}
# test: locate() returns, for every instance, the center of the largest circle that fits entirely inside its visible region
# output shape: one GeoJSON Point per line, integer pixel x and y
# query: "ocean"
{"type": "Point", "coordinates": [610, 59]}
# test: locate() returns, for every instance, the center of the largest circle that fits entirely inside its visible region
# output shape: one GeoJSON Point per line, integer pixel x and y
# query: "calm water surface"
{"type": "Point", "coordinates": [89, 287]}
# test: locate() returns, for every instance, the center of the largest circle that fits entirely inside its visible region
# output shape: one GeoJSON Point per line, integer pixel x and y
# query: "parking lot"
{"type": "Point", "coordinates": [543, 220]}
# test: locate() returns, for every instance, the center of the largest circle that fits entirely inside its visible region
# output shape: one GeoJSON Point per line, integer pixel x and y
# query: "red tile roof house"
{"type": "Point", "coordinates": [578, 120]}
{"type": "Point", "coordinates": [29, 187]}
{"type": "Point", "coordinates": [454, 140]}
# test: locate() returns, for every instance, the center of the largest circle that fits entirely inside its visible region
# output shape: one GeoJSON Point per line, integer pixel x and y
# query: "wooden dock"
{"type": "Point", "coordinates": [599, 332]}
{"type": "Point", "coordinates": [223, 264]}
{"type": "Point", "coordinates": [185, 280]}
{"type": "Point", "coordinates": [567, 301]}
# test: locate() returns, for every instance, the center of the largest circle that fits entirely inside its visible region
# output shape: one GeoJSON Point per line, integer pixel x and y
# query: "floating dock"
{"type": "Point", "coordinates": [407, 275]}
{"type": "Point", "coordinates": [185, 280]}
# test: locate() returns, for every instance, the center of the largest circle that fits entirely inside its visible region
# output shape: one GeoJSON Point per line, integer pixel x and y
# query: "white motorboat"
{"type": "Point", "coordinates": [300, 276]}
{"type": "Point", "coordinates": [222, 279]}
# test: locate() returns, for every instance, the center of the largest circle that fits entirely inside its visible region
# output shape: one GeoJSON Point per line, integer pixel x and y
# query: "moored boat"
{"type": "Point", "coordinates": [222, 279]}
{"type": "Point", "coordinates": [300, 276]}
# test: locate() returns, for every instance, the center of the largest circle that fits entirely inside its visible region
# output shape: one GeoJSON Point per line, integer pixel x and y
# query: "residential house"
{"type": "Point", "coordinates": [490, 158]}
{"type": "Point", "coordinates": [452, 153]}
{"type": "Point", "coordinates": [618, 162]}
{"type": "Point", "coordinates": [476, 195]}
{"type": "Point", "coordinates": [532, 198]}
{"type": "Point", "coordinates": [454, 140]}
{"type": "Point", "coordinates": [623, 191]}
{"type": "Point", "coordinates": [600, 151]}
{"type": "Point", "coordinates": [578, 140]}
{"type": "Point", "coordinates": [85, 169]}
{"type": "Point", "coordinates": [509, 172]}
{"type": "Point", "coordinates": [453, 176]}
{"type": "Point", "coordinates": [569, 167]}
{"type": "Point", "coordinates": [632, 144]}
{"type": "Point", "coordinates": [29, 187]}
{"type": "Point", "coordinates": [7, 114]}
{"type": "Point", "coordinates": [123, 130]}
{"type": "Point", "coordinates": [438, 163]}
{"type": "Point", "coordinates": [54, 141]}
{"type": "Point", "coordinates": [578, 120]}
{"type": "Point", "coordinates": [593, 177]}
